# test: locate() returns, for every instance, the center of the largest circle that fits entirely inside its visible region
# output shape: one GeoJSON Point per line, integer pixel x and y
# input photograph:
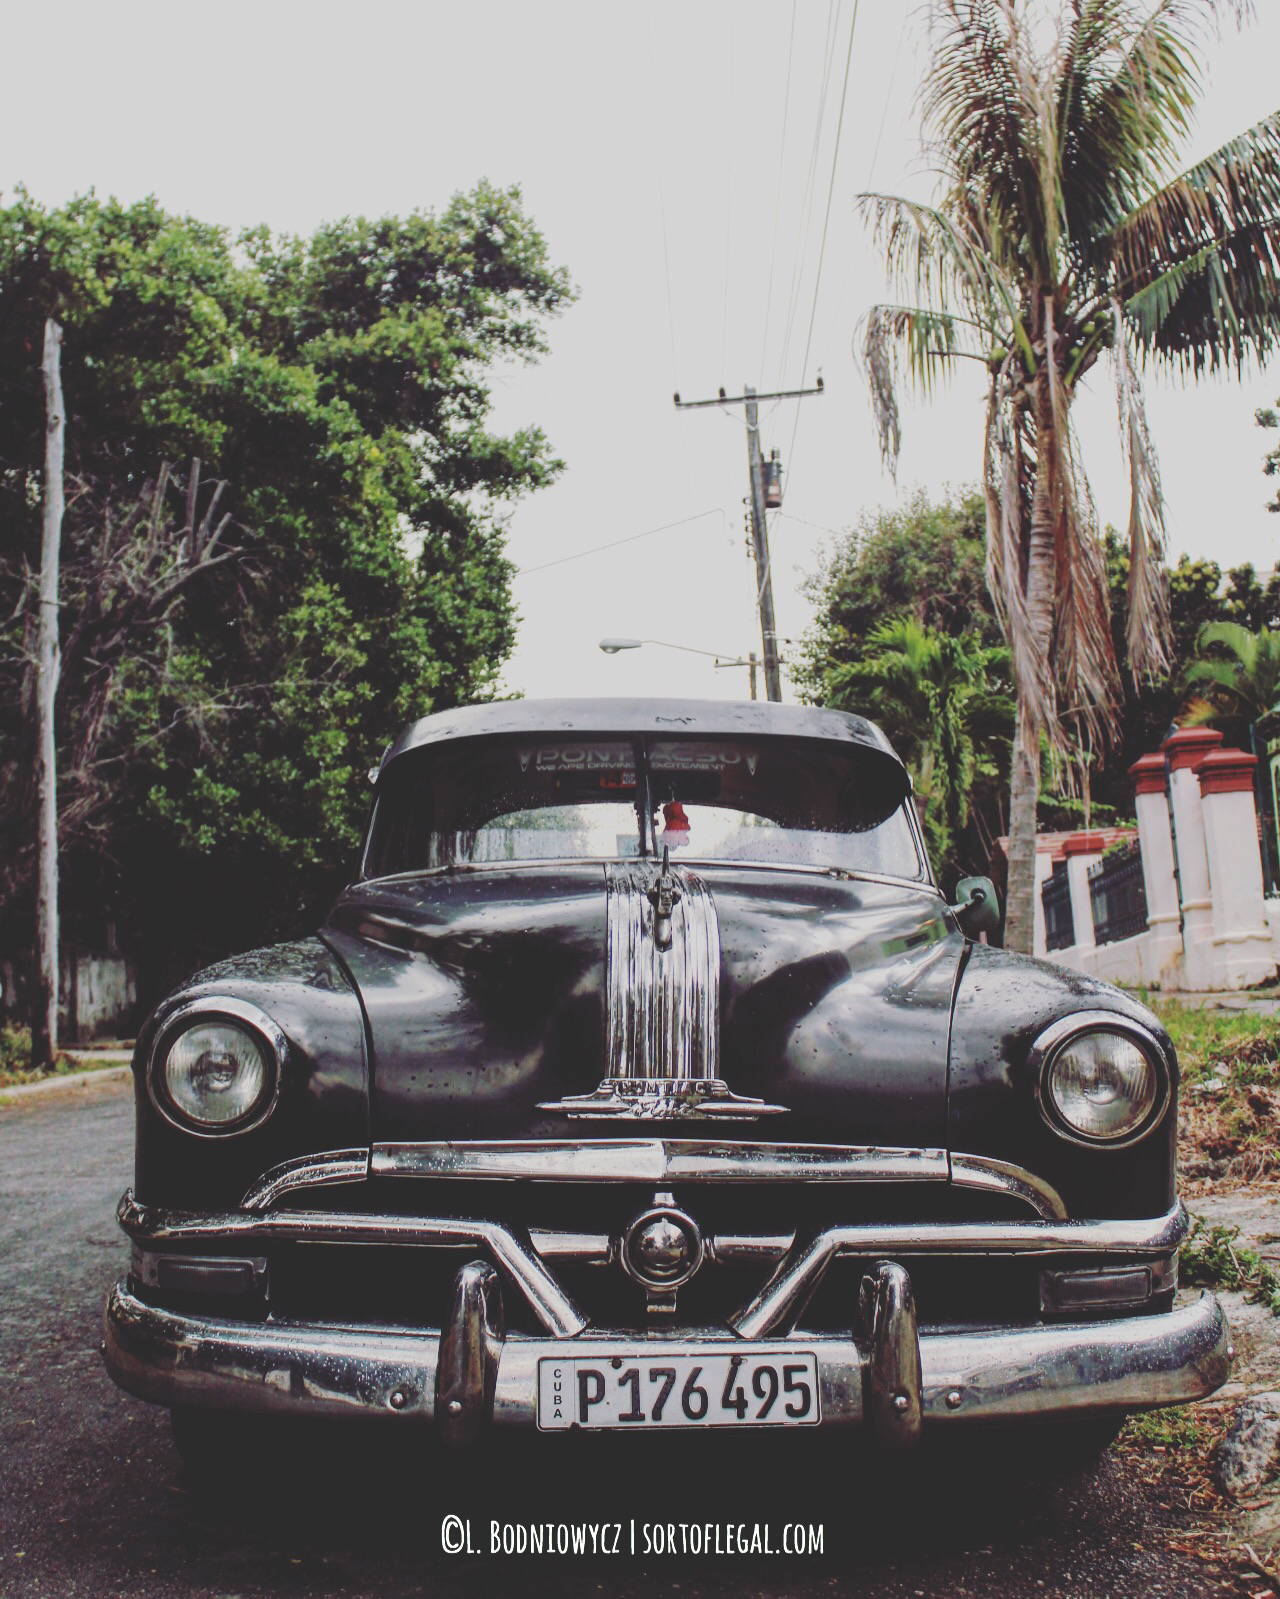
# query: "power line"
{"type": "Point", "coordinates": [728, 198]}
{"type": "Point", "coordinates": [834, 321]}
{"type": "Point", "coordinates": [822, 248]}
{"type": "Point", "coordinates": [662, 198]}
{"type": "Point", "coordinates": [777, 199]}
{"type": "Point", "coordinates": [631, 538]}
{"type": "Point", "coordinates": [666, 249]}
{"type": "Point", "coordinates": [806, 206]}
{"type": "Point", "coordinates": [821, 527]}
{"type": "Point", "coordinates": [888, 96]}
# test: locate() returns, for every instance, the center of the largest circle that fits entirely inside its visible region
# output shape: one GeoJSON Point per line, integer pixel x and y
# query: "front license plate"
{"type": "Point", "coordinates": [779, 1389]}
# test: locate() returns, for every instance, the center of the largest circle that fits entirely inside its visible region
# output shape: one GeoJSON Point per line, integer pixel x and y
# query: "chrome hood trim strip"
{"type": "Point", "coordinates": [659, 1161]}
{"type": "Point", "coordinates": [307, 1171]}
{"type": "Point", "coordinates": [1002, 1177]}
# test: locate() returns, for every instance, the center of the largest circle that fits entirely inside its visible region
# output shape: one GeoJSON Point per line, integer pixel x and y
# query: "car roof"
{"type": "Point", "coordinates": [669, 718]}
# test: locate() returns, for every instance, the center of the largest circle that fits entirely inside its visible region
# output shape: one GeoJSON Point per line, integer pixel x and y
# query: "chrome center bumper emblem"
{"type": "Point", "coordinates": [662, 1248]}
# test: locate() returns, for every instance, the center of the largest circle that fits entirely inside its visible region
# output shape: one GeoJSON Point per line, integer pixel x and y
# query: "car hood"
{"type": "Point", "coordinates": [487, 994]}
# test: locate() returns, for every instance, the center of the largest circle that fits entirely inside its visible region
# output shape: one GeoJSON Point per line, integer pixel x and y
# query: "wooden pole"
{"type": "Point", "coordinates": [760, 549]}
{"type": "Point", "coordinates": [44, 1017]}
{"type": "Point", "coordinates": [759, 528]}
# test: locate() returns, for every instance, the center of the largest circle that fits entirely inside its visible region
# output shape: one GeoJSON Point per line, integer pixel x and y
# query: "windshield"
{"type": "Point", "coordinates": [766, 801]}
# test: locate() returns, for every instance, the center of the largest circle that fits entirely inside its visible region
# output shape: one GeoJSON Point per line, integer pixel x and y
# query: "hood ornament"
{"type": "Point", "coordinates": [662, 997]}
{"type": "Point", "coordinates": [662, 895]}
{"type": "Point", "coordinates": [661, 1099]}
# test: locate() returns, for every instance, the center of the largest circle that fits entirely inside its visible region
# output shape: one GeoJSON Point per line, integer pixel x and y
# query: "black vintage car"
{"type": "Point", "coordinates": [644, 1078]}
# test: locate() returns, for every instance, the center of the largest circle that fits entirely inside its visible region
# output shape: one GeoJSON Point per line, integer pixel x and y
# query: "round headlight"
{"type": "Point", "coordinates": [217, 1073]}
{"type": "Point", "coordinates": [1102, 1086]}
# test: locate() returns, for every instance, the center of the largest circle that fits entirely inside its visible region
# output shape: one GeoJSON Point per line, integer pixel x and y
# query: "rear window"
{"type": "Point", "coordinates": [765, 801]}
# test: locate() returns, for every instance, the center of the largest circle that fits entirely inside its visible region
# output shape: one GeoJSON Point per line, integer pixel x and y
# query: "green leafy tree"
{"type": "Point", "coordinates": [1199, 594]}
{"type": "Point", "coordinates": [1234, 679]}
{"type": "Point", "coordinates": [925, 560]}
{"type": "Point", "coordinates": [1267, 418]}
{"type": "Point", "coordinates": [921, 564]}
{"type": "Point", "coordinates": [945, 703]}
{"type": "Point", "coordinates": [1064, 232]}
{"type": "Point", "coordinates": [340, 385]}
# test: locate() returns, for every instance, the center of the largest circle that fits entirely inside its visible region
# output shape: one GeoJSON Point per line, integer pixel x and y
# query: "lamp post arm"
{"type": "Point", "coordinates": [613, 646]}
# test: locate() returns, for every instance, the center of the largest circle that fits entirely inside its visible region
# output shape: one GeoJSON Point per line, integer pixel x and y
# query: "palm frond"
{"type": "Point", "coordinates": [939, 254]}
{"type": "Point", "coordinates": [1093, 39]}
{"type": "Point", "coordinates": [1233, 637]}
{"type": "Point", "coordinates": [1086, 674]}
{"type": "Point", "coordinates": [1218, 677]}
{"type": "Point", "coordinates": [1149, 308]}
{"type": "Point", "coordinates": [1129, 84]}
{"type": "Point", "coordinates": [925, 342]}
{"type": "Point", "coordinates": [1198, 265]}
{"type": "Point", "coordinates": [1235, 671]}
{"type": "Point", "coordinates": [1148, 621]}
{"type": "Point", "coordinates": [980, 107]}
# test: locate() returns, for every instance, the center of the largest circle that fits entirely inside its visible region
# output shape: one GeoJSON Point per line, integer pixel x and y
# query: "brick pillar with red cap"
{"type": "Point", "coordinates": [1185, 748]}
{"type": "Point", "coordinates": [1242, 945]}
{"type": "Point", "coordinates": [1161, 954]}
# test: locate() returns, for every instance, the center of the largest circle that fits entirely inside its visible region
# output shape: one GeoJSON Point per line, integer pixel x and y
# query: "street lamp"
{"type": "Point", "coordinates": [611, 646]}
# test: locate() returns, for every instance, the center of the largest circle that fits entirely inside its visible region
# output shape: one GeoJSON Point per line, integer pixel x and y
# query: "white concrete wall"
{"type": "Point", "coordinates": [1242, 951]}
{"type": "Point", "coordinates": [101, 1003]}
{"type": "Point", "coordinates": [1161, 957]}
{"type": "Point", "coordinates": [1193, 871]}
{"type": "Point", "coordinates": [1224, 934]}
{"type": "Point", "coordinates": [1044, 871]}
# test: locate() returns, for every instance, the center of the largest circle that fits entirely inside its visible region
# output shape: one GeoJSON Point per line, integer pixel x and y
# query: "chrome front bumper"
{"type": "Point", "coordinates": [469, 1375]}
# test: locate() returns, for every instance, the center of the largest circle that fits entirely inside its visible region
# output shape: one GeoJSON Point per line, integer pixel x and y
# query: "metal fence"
{"type": "Point", "coordinates": [1118, 895]}
{"type": "Point", "coordinates": [1055, 896]}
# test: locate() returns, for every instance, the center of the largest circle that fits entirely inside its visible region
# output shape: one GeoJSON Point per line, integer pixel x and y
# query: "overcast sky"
{"type": "Point", "coordinates": [625, 125]}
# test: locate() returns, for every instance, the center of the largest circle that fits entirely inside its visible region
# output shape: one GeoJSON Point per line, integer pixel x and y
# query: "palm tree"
{"type": "Point", "coordinates": [1235, 677]}
{"type": "Point", "coordinates": [944, 703]}
{"type": "Point", "coordinates": [1063, 232]}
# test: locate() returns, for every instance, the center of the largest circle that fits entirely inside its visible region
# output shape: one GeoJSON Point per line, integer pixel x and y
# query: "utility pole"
{"type": "Point", "coordinates": [44, 1009]}
{"type": "Point", "coordinates": [759, 528]}
{"type": "Point", "coordinates": [760, 547]}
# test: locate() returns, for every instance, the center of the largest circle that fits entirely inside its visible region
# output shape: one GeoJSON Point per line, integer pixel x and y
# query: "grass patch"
{"type": "Point", "coordinates": [1208, 1040]}
{"type": "Point", "coordinates": [1169, 1451]}
{"type": "Point", "coordinates": [15, 1058]}
{"type": "Point", "coordinates": [1229, 1104]}
{"type": "Point", "coordinates": [1213, 1257]}
{"type": "Point", "coordinates": [1177, 1429]}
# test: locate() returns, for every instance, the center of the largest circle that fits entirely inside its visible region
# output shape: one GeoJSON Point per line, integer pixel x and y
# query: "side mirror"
{"type": "Point", "coordinates": [976, 909]}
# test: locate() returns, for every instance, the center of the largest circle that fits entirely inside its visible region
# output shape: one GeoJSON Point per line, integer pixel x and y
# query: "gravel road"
{"type": "Point", "coordinates": [92, 1501]}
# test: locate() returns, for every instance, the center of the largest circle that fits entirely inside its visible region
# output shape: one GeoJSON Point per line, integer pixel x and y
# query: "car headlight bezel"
{"type": "Point", "coordinates": [1051, 1044]}
{"type": "Point", "coordinates": [236, 1013]}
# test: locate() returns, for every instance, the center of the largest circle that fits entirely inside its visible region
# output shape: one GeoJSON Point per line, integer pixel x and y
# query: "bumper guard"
{"type": "Point", "coordinates": [468, 1376]}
